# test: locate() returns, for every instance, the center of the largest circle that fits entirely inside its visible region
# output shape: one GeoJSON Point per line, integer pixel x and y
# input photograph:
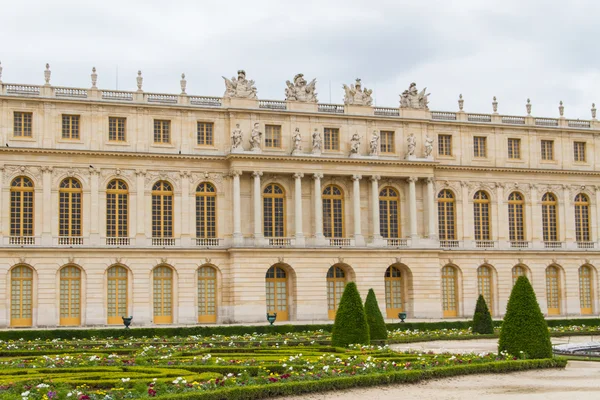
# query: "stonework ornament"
{"type": "Point", "coordinates": [461, 102]}
{"type": "Point", "coordinates": [412, 98]}
{"type": "Point", "coordinates": [412, 145]}
{"type": "Point", "coordinates": [94, 77]}
{"type": "Point", "coordinates": [356, 95]}
{"type": "Point", "coordinates": [255, 138]}
{"type": "Point", "coordinates": [236, 138]}
{"type": "Point", "coordinates": [317, 142]}
{"type": "Point", "coordinates": [593, 104]}
{"type": "Point", "coordinates": [183, 83]}
{"type": "Point", "coordinates": [561, 109]}
{"type": "Point", "coordinates": [240, 87]}
{"type": "Point", "coordinates": [299, 90]}
{"type": "Point", "coordinates": [47, 74]}
{"type": "Point", "coordinates": [495, 105]}
{"type": "Point", "coordinates": [428, 146]}
{"type": "Point", "coordinates": [297, 140]}
{"type": "Point", "coordinates": [139, 80]}
{"type": "Point", "coordinates": [528, 107]}
{"type": "Point", "coordinates": [0, 72]}
{"type": "Point", "coordinates": [354, 144]}
{"type": "Point", "coordinates": [374, 144]}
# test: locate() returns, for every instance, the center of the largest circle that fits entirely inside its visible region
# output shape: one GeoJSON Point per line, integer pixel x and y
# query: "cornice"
{"type": "Point", "coordinates": [515, 170]}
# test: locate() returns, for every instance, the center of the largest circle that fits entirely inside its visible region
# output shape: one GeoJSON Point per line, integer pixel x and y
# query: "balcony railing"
{"type": "Point", "coordinates": [70, 92]}
{"type": "Point", "coordinates": [519, 244]}
{"type": "Point", "coordinates": [586, 245]}
{"type": "Point", "coordinates": [331, 108]}
{"type": "Point", "coordinates": [206, 101]}
{"type": "Point", "coordinates": [272, 104]}
{"type": "Point", "coordinates": [509, 119]}
{"type": "Point", "coordinates": [546, 122]}
{"type": "Point", "coordinates": [280, 242]}
{"type": "Point", "coordinates": [485, 244]}
{"type": "Point", "coordinates": [22, 240]}
{"type": "Point", "coordinates": [479, 118]}
{"type": "Point", "coordinates": [163, 242]}
{"type": "Point", "coordinates": [553, 245]}
{"type": "Point", "coordinates": [208, 242]}
{"type": "Point", "coordinates": [70, 240]}
{"type": "Point", "coordinates": [117, 95]}
{"type": "Point", "coordinates": [162, 98]}
{"type": "Point", "coordinates": [340, 242]}
{"type": "Point", "coordinates": [443, 115]}
{"type": "Point", "coordinates": [117, 241]}
{"type": "Point", "coordinates": [27, 90]}
{"type": "Point", "coordinates": [397, 242]}
{"type": "Point", "coordinates": [449, 244]}
{"type": "Point", "coordinates": [575, 123]}
{"type": "Point", "coordinates": [387, 111]}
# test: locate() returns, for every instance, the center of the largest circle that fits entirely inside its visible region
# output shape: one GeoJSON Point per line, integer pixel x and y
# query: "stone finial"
{"type": "Point", "coordinates": [183, 83]}
{"type": "Point", "coordinates": [0, 72]}
{"type": "Point", "coordinates": [561, 109]}
{"type": "Point", "coordinates": [528, 107]}
{"type": "Point", "coordinates": [47, 74]}
{"type": "Point", "coordinates": [94, 76]}
{"type": "Point", "coordinates": [461, 102]}
{"type": "Point", "coordinates": [139, 80]}
{"type": "Point", "coordinates": [495, 105]}
{"type": "Point", "coordinates": [593, 104]}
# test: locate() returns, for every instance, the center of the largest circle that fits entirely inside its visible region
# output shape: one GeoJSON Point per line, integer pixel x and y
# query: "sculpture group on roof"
{"type": "Point", "coordinates": [240, 87]}
{"type": "Point", "coordinates": [356, 95]}
{"type": "Point", "coordinates": [299, 90]}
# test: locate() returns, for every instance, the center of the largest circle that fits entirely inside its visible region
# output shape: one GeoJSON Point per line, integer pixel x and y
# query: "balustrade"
{"type": "Point", "coordinates": [163, 242]}
{"type": "Point", "coordinates": [397, 242]}
{"type": "Point", "coordinates": [117, 95]}
{"type": "Point", "coordinates": [206, 101]}
{"type": "Point", "coordinates": [27, 90]}
{"type": "Point", "coordinates": [575, 123]}
{"type": "Point", "coordinates": [70, 92]}
{"type": "Point", "coordinates": [553, 245]}
{"type": "Point", "coordinates": [546, 122]}
{"type": "Point", "coordinates": [340, 242]}
{"type": "Point", "coordinates": [161, 98]}
{"type": "Point", "coordinates": [117, 241]}
{"type": "Point", "coordinates": [280, 242]}
{"type": "Point", "coordinates": [479, 118]}
{"type": "Point", "coordinates": [70, 240]}
{"type": "Point", "coordinates": [208, 242]}
{"type": "Point", "coordinates": [22, 240]}
{"type": "Point", "coordinates": [272, 104]}
{"type": "Point", "coordinates": [519, 244]}
{"type": "Point", "coordinates": [387, 111]}
{"type": "Point", "coordinates": [586, 245]}
{"type": "Point", "coordinates": [509, 119]}
{"type": "Point", "coordinates": [331, 108]}
{"type": "Point", "coordinates": [443, 115]}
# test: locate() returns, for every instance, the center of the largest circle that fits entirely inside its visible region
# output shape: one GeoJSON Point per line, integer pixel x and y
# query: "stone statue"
{"type": "Point", "coordinates": [255, 138]}
{"type": "Point", "coordinates": [240, 87]}
{"type": "Point", "coordinates": [412, 98]}
{"type": "Point", "coordinates": [236, 138]}
{"type": "Point", "coordinates": [374, 144]}
{"type": "Point", "coordinates": [317, 142]}
{"type": "Point", "coordinates": [356, 95]}
{"type": "Point", "coordinates": [47, 74]}
{"type": "Point", "coordinates": [300, 90]}
{"type": "Point", "coordinates": [297, 139]}
{"type": "Point", "coordinates": [412, 145]}
{"type": "Point", "coordinates": [355, 144]}
{"type": "Point", "coordinates": [428, 146]}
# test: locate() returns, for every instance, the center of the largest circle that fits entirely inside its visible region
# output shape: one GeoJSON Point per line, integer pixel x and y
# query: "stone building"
{"type": "Point", "coordinates": [182, 209]}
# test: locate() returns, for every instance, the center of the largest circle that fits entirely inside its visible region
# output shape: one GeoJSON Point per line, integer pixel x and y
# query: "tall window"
{"type": "Point", "coordinates": [549, 227]}
{"type": "Point", "coordinates": [389, 202]}
{"type": "Point", "coordinates": [333, 212]}
{"type": "Point", "coordinates": [70, 295]}
{"type": "Point", "coordinates": [516, 225]}
{"type": "Point", "coordinates": [446, 215]}
{"type": "Point", "coordinates": [394, 301]}
{"type": "Point", "coordinates": [162, 210]}
{"type": "Point", "coordinates": [553, 295]}
{"type": "Point", "coordinates": [336, 282]}
{"type": "Point", "coordinates": [274, 211]}
{"type": "Point", "coordinates": [117, 209]}
{"type": "Point", "coordinates": [163, 295]}
{"type": "Point", "coordinates": [70, 127]}
{"type": "Point", "coordinates": [547, 150]}
{"type": "Point", "coordinates": [481, 210]}
{"type": "Point", "coordinates": [277, 292]}
{"type": "Point", "coordinates": [117, 128]}
{"type": "Point", "coordinates": [21, 296]}
{"type": "Point", "coordinates": [116, 294]}
{"type": "Point", "coordinates": [579, 151]}
{"type": "Point", "coordinates": [449, 291]}
{"type": "Point", "coordinates": [479, 146]}
{"type": "Point", "coordinates": [162, 131]}
{"type": "Point", "coordinates": [517, 271]}
{"type": "Point", "coordinates": [21, 207]}
{"type": "Point", "coordinates": [585, 290]}
{"type": "Point", "coordinates": [273, 136]}
{"type": "Point", "coordinates": [387, 141]}
{"type": "Point", "coordinates": [207, 294]}
{"type": "Point", "coordinates": [445, 145]}
{"type": "Point", "coordinates": [514, 149]}
{"type": "Point", "coordinates": [206, 211]}
{"type": "Point", "coordinates": [582, 218]}
{"type": "Point", "coordinates": [69, 207]}
{"type": "Point", "coordinates": [205, 136]}
{"type": "Point", "coordinates": [22, 124]}
{"type": "Point", "coordinates": [331, 138]}
{"type": "Point", "coordinates": [484, 284]}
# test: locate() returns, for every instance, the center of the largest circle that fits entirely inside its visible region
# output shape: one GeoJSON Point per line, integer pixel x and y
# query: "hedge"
{"type": "Point", "coordinates": [377, 328]}
{"type": "Point", "coordinates": [351, 326]}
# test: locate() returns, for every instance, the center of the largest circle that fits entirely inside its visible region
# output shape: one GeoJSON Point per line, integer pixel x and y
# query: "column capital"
{"type": "Point", "coordinates": [375, 178]}
{"type": "Point", "coordinates": [317, 176]}
{"type": "Point", "coordinates": [140, 172]}
{"type": "Point", "coordinates": [45, 169]}
{"type": "Point", "coordinates": [430, 180]}
{"type": "Point", "coordinates": [356, 177]}
{"type": "Point", "coordinates": [298, 175]}
{"type": "Point", "coordinates": [412, 179]}
{"type": "Point", "coordinates": [257, 174]}
{"type": "Point", "coordinates": [235, 172]}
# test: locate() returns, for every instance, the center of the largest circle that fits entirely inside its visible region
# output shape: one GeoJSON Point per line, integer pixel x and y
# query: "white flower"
{"type": "Point", "coordinates": [25, 394]}
{"type": "Point", "coordinates": [69, 394]}
{"type": "Point", "coordinates": [42, 385]}
{"type": "Point", "coordinates": [125, 379]}
{"type": "Point", "coordinates": [326, 368]}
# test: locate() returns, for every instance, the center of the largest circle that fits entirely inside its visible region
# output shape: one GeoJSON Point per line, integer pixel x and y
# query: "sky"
{"type": "Point", "coordinates": [544, 50]}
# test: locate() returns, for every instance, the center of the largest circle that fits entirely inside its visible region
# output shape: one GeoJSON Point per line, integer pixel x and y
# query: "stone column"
{"type": "Point", "coordinates": [140, 237]}
{"type": "Point", "coordinates": [359, 240]}
{"type": "Point", "coordinates": [298, 209]}
{"type": "Point", "coordinates": [534, 231]}
{"type": "Point", "coordinates": [46, 205]}
{"type": "Point", "coordinates": [597, 188]}
{"type": "Point", "coordinates": [318, 207]}
{"type": "Point", "coordinates": [412, 206]}
{"type": "Point", "coordinates": [375, 209]}
{"type": "Point", "coordinates": [95, 214]}
{"type": "Point", "coordinates": [567, 223]}
{"type": "Point", "coordinates": [256, 197]}
{"type": "Point", "coordinates": [502, 220]}
{"type": "Point", "coordinates": [185, 210]}
{"type": "Point", "coordinates": [431, 210]}
{"type": "Point", "coordinates": [237, 222]}
{"type": "Point", "coordinates": [467, 211]}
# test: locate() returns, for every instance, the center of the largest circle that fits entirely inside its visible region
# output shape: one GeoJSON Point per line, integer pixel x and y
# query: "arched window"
{"type": "Point", "coordinates": [485, 285]}
{"type": "Point", "coordinates": [517, 271]}
{"type": "Point", "coordinates": [389, 204]}
{"type": "Point", "coordinates": [277, 292]}
{"type": "Point", "coordinates": [549, 227]}
{"type": "Point", "coordinates": [21, 296]}
{"type": "Point", "coordinates": [117, 294]}
{"type": "Point", "coordinates": [69, 207]}
{"type": "Point", "coordinates": [553, 295]}
{"type": "Point", "coordinates": [207, 294]}
{"type": "Point", "coordinates": [449, 291]}
{"type": "Point", "coordinates": [582, 218]}
{"type": "Point", "coordinates": [586, 293]}
{"type": "Point", "coordinates": [163, 295]}
{"type": "Point", "coordinates": [481, 214]}
{"type": "Point", "coordinates": [70, 295]}
{"type": "Point", "coordinates": [162, 210]}
{"type": "Point", "coordinates": [206, 211]}
{"type": "Point", "coordinates": [516, 217]}
{"type": "Point", "coordinates": [394, 292]}
{"type": "Point", "coordinates": [274, 211]}
{"type": "Point", "coordinates": [336, 281]}
{"type": "Point", "coordinates": [21, 207]}
{"type": "Point", "coordinates": [117, 209]}
{"type": "Point", "coordinates": [446, 215]}
{"type": "Point", "coordinates": [333, 212]}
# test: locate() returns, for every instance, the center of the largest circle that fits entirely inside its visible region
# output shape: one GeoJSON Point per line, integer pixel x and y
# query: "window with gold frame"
{"type": "Point", "coordinates": [117, 129]}
{"type": "Point", "coordinates": [479, 146]}
{"type": "Point", "coordinates": [206, 211]}
{"type": "Point", "coordinates": [273, 136]}
{"type": "Point", "coordinates": [449, 291]}
{"type": "Point", "coordinates": [117, 294]}
{"type": "Point", "coordinates": [117, 209]}
{"type": "Point", "coordinates": [553, 292]}
{"type": "Point", "coordinates": [22, 124]}
{"type": "Point", "coordinates": [336, 282]}
{"type": "Point", "coordinates": [549, 225]}
{"type": "Point", "coordinates": [21, 296]}
{"type": "Point", "coordinates": [517, 271]}
{"type": "Point", "coordinates": [205, 133]}
{"type": "Point", "coordinates": [70, 205]}
{"type": "Point", "coordinates": [514, 149]}
{"type": "Point", "coordinates": [387, 144]}
{"type": "Point", "coordinates": [445, 145]}
{"type": "Point", "coordinates": [586, 291]}
{"type": "Point", "coordinates": [162, 210]}
{"type": "Point", "coordinates": [389, 208]}
{"type": "Point", "coordinates": [481, 211]}
{"type": "Point", "coordinates": [162, 295]}
{"type": "Point", "coordinates": [394, 291]}
{"type": "Point", "coordinates": [162, 131]}
{"type": "Point", "coordinates": [516, 219]}
{"type": "Point", "coordinates": [207, 294]}
{"type": "Point", "coordinates": [579, 152]}
{"type": "Point", "coordinates": [485, 285]}
{"type": "Point", "coordinates": [274, 211]}
{"type": "Point", "coordinates": [446, 215]}
{"type": "Point", "coordinates": [547, 150]}
{"type": "Point", "coordinates": [333, 212]}
{"type": "Point", "coordinates": [70, 127]}
{"type": "Point", "coordinates": [21, 207]}
{"type": "Point", "coordinates": [277, 292]}
{"type": "Point", "coordinates": [70, 296]}
{"type": "Point", "coordinates": [331, 138]}
{"type": "Point", "coordinates": [582, 218]}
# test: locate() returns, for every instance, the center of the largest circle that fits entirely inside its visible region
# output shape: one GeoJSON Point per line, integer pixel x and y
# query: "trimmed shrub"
{"type": "Point", "coordinates": [482, 319]}
{"type": "Point", "coordinates": [350, 326]}
{"type": "Point", "coordinates": [524, 328]}
{"type": "Point", "coordinates": [377, 328]}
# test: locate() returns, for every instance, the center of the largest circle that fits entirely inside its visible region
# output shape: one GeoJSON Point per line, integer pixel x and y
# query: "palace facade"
{"type": "Point", "coordinates": [182, 209]}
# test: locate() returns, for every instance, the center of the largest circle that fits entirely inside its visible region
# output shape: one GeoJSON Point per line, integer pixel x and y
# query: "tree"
{"type": "Point", "coordinates": [377, 328]}
{"type": "Point", "coordinates": [482, 319]}
{"type": "Point", "coordinates": [524, 328]}
{"type": "Point", "coordinates": [350, 326]}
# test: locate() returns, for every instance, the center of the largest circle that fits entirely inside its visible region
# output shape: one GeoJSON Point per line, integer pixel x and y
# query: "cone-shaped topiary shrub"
{"type": "Point", "coordinates": [482, 319]}
{"type": "Point", "coordinates": [524, 328]}
{"type": "Point", "coordinates": [377, 328]}
{"type": "Point", "coordinates": [350, 326]}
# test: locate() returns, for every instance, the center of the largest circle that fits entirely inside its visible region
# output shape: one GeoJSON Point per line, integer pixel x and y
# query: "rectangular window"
{"type": "Point", "coordinates": [162, 131]}
{"type": "Point", "coordinates": [479, 146]}
{"type": "Point", "coordinates": [22, 124]}
{"type": "Point", "coordinates": [116, 129]}
{"type": "Point", "coordinates": [205, 133]}
{"type": "Point", "coordinates": [579, 151]}
{"type": "Point", "coordinates": [445, 145]}
{"type": "Point", "coordinates": [548, 150]}
{"type": "Point", "coordinates": [273, 136]}
{"type": "Point", "coordinates": [514, 149]}
{"type": "Point", "coordinates": [332, 138]}
{"type": "Point", "coordinates": [387, 142]}
{"type": "Point", "coordinates": [70, 127]}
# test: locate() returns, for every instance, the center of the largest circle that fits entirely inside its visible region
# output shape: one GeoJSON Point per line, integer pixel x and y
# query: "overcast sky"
{"type": "Point", "coordinates": [542, 49]}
